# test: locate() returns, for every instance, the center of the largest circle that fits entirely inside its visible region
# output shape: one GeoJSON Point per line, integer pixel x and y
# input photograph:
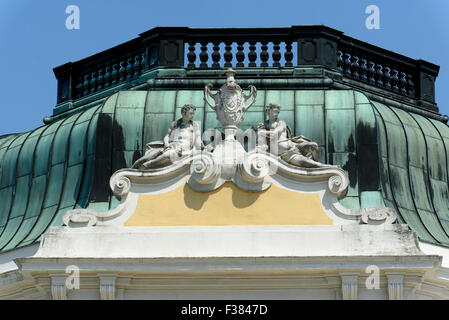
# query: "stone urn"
{"type": "Point", "coordinates": [230, 103]}
{"type": "Point", "coordinates": [229, 108]}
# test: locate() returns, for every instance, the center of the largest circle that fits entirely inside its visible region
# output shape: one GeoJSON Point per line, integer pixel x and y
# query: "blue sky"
{"type": "Point", "coordinates": [34, 38]}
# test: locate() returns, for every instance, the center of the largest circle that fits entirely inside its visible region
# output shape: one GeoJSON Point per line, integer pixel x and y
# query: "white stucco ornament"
{"type": "Point", "coordinates": [230, 102]}
{"type": "Point", "coordinates": [375, 215]}
{"type": "Point", "coordinates": [229, 108]}
{"type": "Point", "coordinates": [278, 158]}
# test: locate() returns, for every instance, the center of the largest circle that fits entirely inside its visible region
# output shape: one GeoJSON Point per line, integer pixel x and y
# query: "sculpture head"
{"type": "Point", "coordinates": [187, 112]}
{"type": "Point", "coordinates": [273, 110]}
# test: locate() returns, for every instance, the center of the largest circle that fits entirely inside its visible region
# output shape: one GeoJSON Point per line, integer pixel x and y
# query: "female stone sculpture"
{"type": "Point", "coordinates": [274, 136]}
{"type": "Point", "coordinates": [182, 138]}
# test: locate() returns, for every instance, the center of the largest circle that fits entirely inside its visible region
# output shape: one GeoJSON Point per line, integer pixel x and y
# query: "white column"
{"type": "Point", "coordinates": [58, 288]}
{"type": "Point", "coordinates": [107, 287]}
{"type": "Point", "coordinates": [395, 286]}
{"type": "Point", "coordinates": [349, 286]}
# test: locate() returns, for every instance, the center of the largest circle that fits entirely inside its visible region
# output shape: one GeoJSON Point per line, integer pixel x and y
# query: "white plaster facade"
{"type": "Point", "coordinates": [253, 262]}
{"type": "Point", "coordinates": [359, 259]}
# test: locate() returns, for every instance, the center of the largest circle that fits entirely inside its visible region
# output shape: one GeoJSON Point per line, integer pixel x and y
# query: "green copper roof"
{"type": "Point", "coordinates": [415, 171]}
{"type": "Point", "coordinates": [393, 157]}
{"type": "Point", "coordinates": [44, 173]}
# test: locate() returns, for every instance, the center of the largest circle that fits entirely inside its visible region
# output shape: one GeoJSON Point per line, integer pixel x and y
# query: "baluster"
{"type": "Point", "coordinates": [387, 78]}
{"type": "Point", "coordinates": [100, 79]}
{"type": "Point", "coordinates": [371, 72]}
{"type": "Point", "coordinates": [79, 87]}
{"type": "Point", "coordinates": [347, 64]}
{"type": "Point", "coordinates": [288, 55]}
{"type": "Point", "coordinates": [216, 55]}
{"type": "Point", "coordinates": [363, 70]}
{"type": "Point", "coordinates": [92, 82]}
{"type": "Point", "coordinates": [114, 74]}
{"type": "Point", "coordinates": [228, 54]}
{"type": "Point", "coordinates": [395, 80]}
{"type": "Point", "coordinates": [129, 69]}
{"type": "Point", "coordinates": [121, 71]}
{"type": "Point", "coordinates": [355, 67]}
{"type": "Point", "coordinates": [410, 85]}
{"type": "Point", "coordinates": [252, 55]}
{"type": "Point", "coordinates": [403, 82]}
{"type": "Point", "coordinates": [240, 56]}
{"type": "Point", "coordinates": [379, 75]}
{"type": "Point", "coordinates": [264, 54]}
{"type": "Point", "coordinates": [141, 62]}
{"type": "Point", "coordinates": [107, 77]}
{"type": "Point", "coordinates": [191, 56]}
{"type": "Point", "coordinates": [143, 58]}
{"type": "Point", "coordinates": [276, 55]}
{"type": "Point", "coordinates": [136, 66]}
{"type": "Point", "coordinates": [340, 60]}
{"type": "Point", "coordinates": [203, 55]}
{"type": "Point", "coordinates": [86, 85]}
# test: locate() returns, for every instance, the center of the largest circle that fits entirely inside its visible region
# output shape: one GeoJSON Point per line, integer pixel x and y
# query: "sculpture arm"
{"type": "Point", "coordinates": [167, 136]}
{"type": "Point", "coordinates": [253, 93]}
{"type": "Point", "coordinates": [207, 93]}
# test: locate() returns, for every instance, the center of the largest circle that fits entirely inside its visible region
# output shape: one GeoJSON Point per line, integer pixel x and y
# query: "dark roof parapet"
{"type": "Point", "coordinates": [314, 46]}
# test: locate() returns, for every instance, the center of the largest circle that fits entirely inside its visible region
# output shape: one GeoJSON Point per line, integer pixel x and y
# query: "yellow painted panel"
{"type": "Point", "coordinates": [229, 205]}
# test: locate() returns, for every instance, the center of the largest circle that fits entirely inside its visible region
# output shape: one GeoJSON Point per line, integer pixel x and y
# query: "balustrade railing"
{"type": "Point", "coordinates": [201, 49]}
{"type": "Point", "coordinates": [239, 54]}
{"type": "Point", "coordinates": [375, 68]}
{"type": "Point", "coordinates": [239, 48]}
{"type": "Point", "coordinates": [108, 73]}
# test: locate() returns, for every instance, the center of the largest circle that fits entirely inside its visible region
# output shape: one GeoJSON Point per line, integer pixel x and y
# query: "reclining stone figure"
{"type": "Point", "coordinates": [275, 136]}
{"type": "Point", "coordinates": [182, 138]}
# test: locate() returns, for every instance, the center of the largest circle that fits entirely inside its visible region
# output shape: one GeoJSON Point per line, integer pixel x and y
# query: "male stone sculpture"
{"type": "Point", "coordinates": [274, 136]}
{"type": "Point", "coordinates": [182, 138]}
